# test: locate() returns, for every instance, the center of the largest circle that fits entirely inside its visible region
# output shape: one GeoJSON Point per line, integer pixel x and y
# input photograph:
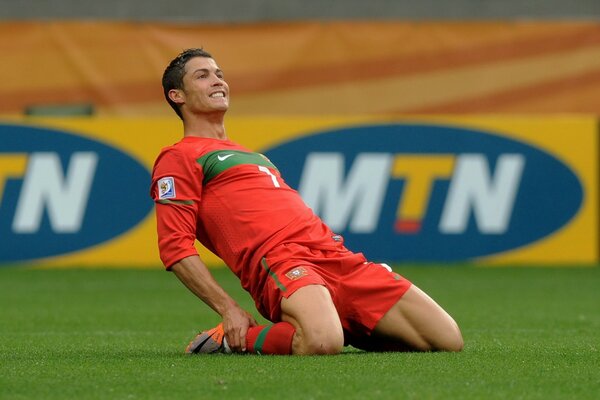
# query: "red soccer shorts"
{"type": "Point", "coordinates": [362, 291]}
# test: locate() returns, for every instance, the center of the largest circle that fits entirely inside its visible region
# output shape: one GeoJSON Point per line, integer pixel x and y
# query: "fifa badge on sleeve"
{"type": "Point", "coordinates": [166, 188]}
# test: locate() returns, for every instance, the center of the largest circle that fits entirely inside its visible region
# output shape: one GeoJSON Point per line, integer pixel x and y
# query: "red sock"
{"type": "Point", "coordinates": [270, 339]}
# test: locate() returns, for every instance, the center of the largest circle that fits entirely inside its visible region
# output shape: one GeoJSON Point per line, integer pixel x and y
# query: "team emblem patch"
{"type": "Point", "coordinates": [296, 273]}
{"type": "Point", "coordinates": [166, 188]}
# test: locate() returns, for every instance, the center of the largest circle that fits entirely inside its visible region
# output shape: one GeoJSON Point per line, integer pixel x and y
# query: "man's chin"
{"type": "Point", "coordinates": [221, 107]}
{"type": "Point", "coordinates": [215, 111]}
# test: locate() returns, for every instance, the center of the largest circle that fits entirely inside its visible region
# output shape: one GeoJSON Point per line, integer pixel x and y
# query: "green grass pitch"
{"type": "Point", "coordinates": [530, 333]}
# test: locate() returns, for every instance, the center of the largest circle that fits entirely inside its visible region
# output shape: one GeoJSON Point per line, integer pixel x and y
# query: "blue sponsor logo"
{"type": "Point", "coordinates": [60, 192]}
{"type": "Point", "coordinates": [430, 193]}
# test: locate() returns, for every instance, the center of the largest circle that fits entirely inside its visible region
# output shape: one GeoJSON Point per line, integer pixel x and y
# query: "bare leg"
{"type": "Point", "coordinates": [318, 328]}
{"type": "Point", "coordinates": [416, 323]}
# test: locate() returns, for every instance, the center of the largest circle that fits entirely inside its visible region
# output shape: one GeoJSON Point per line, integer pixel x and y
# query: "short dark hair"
{"type": "Point", "coordinates": [173, 75]}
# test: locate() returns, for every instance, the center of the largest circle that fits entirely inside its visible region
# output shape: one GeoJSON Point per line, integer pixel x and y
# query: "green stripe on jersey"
{"type": "Point", "coordinates": [215, 162]}
{"type": "Point", "coordinates": [179, 202]}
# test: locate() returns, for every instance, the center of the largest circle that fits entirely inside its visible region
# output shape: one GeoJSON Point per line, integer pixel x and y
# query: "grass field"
{"type": "Point", "coordinates": [530, 333]}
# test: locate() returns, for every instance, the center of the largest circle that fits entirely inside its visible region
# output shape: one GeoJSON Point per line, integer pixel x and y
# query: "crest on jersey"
{"type": "Point", "coordinates": [296, 273]}
{"type": "Point", "coordinates": [166, 188]}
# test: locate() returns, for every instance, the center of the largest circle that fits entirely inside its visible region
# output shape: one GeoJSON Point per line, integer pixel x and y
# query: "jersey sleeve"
{"type": "Point", "coordinates": [176, 190]}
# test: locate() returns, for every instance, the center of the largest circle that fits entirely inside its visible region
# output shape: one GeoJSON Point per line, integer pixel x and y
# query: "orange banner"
{"type": "Point", "coordinates": [310, 68]}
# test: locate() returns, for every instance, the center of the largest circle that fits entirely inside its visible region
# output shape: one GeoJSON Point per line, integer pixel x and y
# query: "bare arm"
{"type": "Point", "coordinates": [194, 274]}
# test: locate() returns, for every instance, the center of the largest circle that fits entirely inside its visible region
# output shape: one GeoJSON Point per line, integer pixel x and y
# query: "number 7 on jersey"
{"type": "Point", "coordinates": [268, 172]}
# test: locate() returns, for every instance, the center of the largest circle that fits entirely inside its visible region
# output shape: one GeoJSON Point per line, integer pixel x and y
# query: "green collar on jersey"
{"type": "Point", "coordinates": [217, 161]}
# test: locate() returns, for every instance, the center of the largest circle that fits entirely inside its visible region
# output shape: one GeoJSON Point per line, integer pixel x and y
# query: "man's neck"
{"type": "Point", "coordinates": [209, 126]}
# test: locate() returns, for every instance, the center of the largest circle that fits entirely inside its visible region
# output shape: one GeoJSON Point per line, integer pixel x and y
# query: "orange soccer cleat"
{"type": "Point", "coordinates": [210, 341]}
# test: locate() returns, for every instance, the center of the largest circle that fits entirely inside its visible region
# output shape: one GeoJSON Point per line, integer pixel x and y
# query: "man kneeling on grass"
{"type": "Point", "coordinates": [319, 295]}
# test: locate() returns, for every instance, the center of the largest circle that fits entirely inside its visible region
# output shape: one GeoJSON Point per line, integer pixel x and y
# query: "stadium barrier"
{"type": "Point", "coordinates": [491, 190]}
{"type": "Point", "coordinates": [311, 67]}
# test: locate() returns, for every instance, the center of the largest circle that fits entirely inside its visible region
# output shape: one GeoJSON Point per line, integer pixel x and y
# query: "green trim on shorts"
{"type": "Point", "coordinates": [260, 339]}
{"type": "Point", "coordinates": [272, 275]}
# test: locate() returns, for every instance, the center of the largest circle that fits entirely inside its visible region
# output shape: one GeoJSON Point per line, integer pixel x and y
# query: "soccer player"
{"type": "Point", "coordinates": [318, 295]}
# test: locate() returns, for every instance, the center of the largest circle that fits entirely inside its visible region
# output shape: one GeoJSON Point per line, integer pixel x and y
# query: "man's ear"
{"type": "Point", "coordinates": [177, 96]}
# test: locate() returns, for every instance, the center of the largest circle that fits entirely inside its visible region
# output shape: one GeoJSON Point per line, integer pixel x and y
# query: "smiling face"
{"type": "Point", "coordinates": [204, 89]}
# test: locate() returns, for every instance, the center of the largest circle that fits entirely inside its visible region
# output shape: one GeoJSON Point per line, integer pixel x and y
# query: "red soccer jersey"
{"type": "Point", "coordinates": [234, 202]}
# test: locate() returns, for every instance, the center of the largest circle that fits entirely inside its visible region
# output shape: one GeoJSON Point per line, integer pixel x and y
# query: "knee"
{"type": "Point", "coordinates": [319, 343]}
{"type": "Point", "coordinates": [324, 345]}
{"type": "Point", "coordinates": [457, 343]}
{"type": "Point", "coordinates": [451, 340]}
{"type": "Point", "coordinates": [454, 344]}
